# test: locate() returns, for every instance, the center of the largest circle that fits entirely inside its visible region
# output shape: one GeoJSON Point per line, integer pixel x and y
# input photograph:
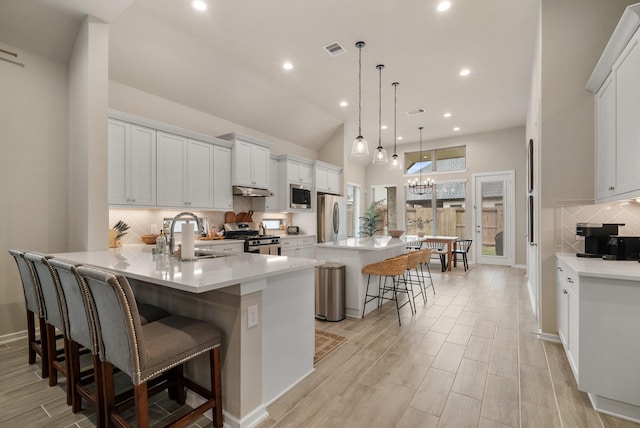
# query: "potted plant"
{"type": "Point", "coordinates": [419, 223]}
{"type": "Point", "coordinates": [369, 221]}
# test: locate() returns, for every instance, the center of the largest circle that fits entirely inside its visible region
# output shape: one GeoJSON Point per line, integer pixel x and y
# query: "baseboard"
{"type": "Point", "coordinates": [12, 337]}
{"type": "Point", "coordinates": [615, 408]}
{"type": "Point", "coordinates": [290, 387]}
{"type": "Point", "coordinates": [249, 421]}
{"type": "Point", "coordinates": [548, 336]}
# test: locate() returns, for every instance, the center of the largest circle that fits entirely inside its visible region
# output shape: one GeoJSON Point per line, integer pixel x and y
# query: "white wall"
{"type": "Point", "coordinates": [574, 33]}
{"type": "Point", "coordinates": [486, 152]}
{"type": "Point", "coordinates": [88, 81]}
{"type": "Point", "coordinates": [33, 170]}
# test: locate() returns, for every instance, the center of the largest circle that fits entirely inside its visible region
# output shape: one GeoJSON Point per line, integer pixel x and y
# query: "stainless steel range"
{"type": "Point", "coordinates": [253, 241]}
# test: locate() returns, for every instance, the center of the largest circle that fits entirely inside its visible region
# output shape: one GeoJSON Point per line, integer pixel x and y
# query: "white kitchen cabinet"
{"type": "Point", "coordinates": [299, 171]}
{"type": "Point", "coordinates": [626, 73]}
{"type": "Point", "coordinates": [606, 140]}
{"type": "Point", "coordinates": [328, 178]}
{"type": "Point", "coordinates": [615, 82]}
{"type": "Point", "coordinates": [568, 314]}
{"type": "Point", "coordinates": [249, 160]}
{"type": "Point", "coordinates": [271, 203]}
{"type": "Point", "coordinates": [185, 172]}
{"type": "Point", "coordinates": [302, 246]}
{"type": "Point", "coordinates": [222, 192]}
{"type": "Point", "coordinates": [131, 164]}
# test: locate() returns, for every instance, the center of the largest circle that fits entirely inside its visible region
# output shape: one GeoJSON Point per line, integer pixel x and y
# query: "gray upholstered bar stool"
{"type": "Point", "coordinates": [55, 308]}
{"type": "Point", "coordinates": [34, 307]}
{"type": "Point", "coordinates": [145, 352]}
{"type": "Point", "coordinates": [393, 268]}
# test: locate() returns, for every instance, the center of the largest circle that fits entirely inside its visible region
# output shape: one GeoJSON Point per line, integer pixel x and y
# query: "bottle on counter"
{"type": "Point", "coordinates": [161, 244]}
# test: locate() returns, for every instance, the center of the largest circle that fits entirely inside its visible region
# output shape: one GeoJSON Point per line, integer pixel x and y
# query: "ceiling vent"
{"type": "Point", "coordinates": [334, 49]}
{"type": "Point", "coordinates": [415, 112]}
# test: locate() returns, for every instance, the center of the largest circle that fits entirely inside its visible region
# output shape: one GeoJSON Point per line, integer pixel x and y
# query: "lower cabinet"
{"type": "Point", "coordinates": [223, 247]}
{"type": "Point", "coordinates": [568, 313]}
{"type": "Point", "coordinates": [303, 246]}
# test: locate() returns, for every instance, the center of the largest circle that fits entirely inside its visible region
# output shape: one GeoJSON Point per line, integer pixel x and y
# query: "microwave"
{"type": "Point", "coordinates": [300, 196]}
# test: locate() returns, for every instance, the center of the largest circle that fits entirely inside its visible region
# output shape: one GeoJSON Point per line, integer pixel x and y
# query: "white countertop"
{"type": "Point", "coordinates": [374, 243]}
{"type": "Point", "coordinates": [136, 261]}
{"type": "Point", "coordinates": [594, 267]}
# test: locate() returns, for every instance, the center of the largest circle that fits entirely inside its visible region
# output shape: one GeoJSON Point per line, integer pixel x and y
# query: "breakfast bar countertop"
{"type": "Point", "coordinates": [137, 261]}
{"type": "Point", "coordinates": [374, 243]}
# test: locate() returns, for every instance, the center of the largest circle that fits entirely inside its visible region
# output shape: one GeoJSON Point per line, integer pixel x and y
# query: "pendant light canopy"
{"type": "Point", "coordinates": [360, 147]}
{"type": "Point", "coordinates": [395, 164]}
{"type": "Point", "coordinates": [380, 155]}
{"type": "Point", "coordinates": [419, 187]}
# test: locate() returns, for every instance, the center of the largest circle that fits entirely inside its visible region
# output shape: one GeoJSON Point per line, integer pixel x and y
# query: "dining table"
{"type": "Point", "coordinates": [440, 239]}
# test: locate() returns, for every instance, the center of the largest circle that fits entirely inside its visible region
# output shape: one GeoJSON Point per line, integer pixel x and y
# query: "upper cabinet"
{"type": "Point", "coordinates": [155, 164]}
{"type": "Point", "coordinates": [328, 178]}
{"type": "Point", "coordinates": [132, 164]}
{"type": "Point", "coordinates": [299, 171]}
{"type": "Point", "coordinates": [616, 84]}
{"type": "Point", "coordinates": [270, 203]}
{"type": "Point", "coordinates": [250, 160]}
{"type": "Point", "coordinates": [185, 168]}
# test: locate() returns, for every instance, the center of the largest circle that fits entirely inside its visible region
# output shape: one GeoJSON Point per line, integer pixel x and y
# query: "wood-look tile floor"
{"type": "Point", "coordinates": [468, 358]}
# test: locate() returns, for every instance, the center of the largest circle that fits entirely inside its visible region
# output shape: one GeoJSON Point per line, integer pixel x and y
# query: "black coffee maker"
{"type": "Point", "coordinates": [596, 237]}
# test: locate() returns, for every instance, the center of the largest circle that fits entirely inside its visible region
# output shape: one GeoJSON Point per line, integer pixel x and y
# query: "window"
{"type": "Point", "coordinates": [353, 210]}
{"type": "Point", "coordinates": [450, 159]}
{"type": "Point", "coordinates": [437, 213]}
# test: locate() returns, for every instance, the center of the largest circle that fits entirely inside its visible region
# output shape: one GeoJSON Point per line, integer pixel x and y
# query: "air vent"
{"type": "Point", "coordinates": [414, 112]}
{"type": "Point", "coordinates": [334, 49]}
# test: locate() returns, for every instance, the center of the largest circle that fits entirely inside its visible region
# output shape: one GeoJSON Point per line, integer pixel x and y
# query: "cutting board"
{"type": "Point", "coordinates": [229, 217]}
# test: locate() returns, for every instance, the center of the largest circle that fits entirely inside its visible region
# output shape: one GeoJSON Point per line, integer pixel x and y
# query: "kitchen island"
{"type": "Point", "coordinates": [262, 356]}
{"type": "Point", "coordinates": [356, 253]}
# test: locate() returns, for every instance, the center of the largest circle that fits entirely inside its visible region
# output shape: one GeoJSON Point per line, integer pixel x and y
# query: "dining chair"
{"type": "Point", "coordinates": [34, 310]}
{"type": "Point", "coordinates": [439, 249]}
{"type": "Point", "coordinates": [153, 351]}
{"type": "Point", "coordinates": [463, 246]}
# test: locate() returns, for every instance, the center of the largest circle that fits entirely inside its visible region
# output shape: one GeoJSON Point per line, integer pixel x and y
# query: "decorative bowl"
{"type": "Point", "coordinates": [395, 233]}
{"type": "Point", "coordinates": [149, 239]}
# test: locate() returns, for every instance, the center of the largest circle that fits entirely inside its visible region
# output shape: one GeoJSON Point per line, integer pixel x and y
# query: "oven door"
{"type": "Point", "coordinates": [273, 249]}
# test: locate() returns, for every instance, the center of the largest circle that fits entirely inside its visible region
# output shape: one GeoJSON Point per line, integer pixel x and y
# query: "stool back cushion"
{"type": "Point", "coordinates": [32, 298]}
{"type": "Point", "coordinates": [54, 305]}
{"type": "Point", "coordinates": [116, 319]}
{"type": "Point", "coordinates": [79, 320]}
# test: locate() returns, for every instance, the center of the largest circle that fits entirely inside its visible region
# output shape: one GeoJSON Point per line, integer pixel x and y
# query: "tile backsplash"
{"type": "Point", "coordinates": [627, 212]}
{"type": "Point", "coordinates": [141, 220]}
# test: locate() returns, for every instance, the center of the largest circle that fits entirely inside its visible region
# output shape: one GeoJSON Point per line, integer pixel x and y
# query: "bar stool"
{"type": "Point", "coordinates": [34, 308]}
{"type": "Point", "coordinates": [413, 263]}
{"type": "Point", "coordinates": [393, 268]}
{"type": "Point", "coordinates": [154, 350]}
{"type": "Point", "coordinates": [55, 315]}
{"type": "Point", "coordinates": [426, 257]}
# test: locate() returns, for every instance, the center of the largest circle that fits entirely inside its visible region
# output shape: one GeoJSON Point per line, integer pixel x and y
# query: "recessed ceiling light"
{"type": "Point", "coordinates": [343, 103]}
{"type": "Point", "coordinates": [456, 129]}
{"type": "Point", "coordinates": [383, 127]}
{"type": "Point", "coordinates": [465, 72]}
{"type": "Point", "coordinates": [199, 5]}
{"type": "Point", "coordinates": [447, 114]}
{"type": "Point", "coordinates": [399, 138]}
{"type": "Point", "coordinates": [287, 66]}
{"type": "Point", "coordinates": [443, 6]}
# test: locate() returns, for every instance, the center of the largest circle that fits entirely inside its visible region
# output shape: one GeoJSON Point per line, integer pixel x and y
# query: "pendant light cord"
{"type": "Point", "coordinates": [395, 117]}
{"type": "Point", "coordinates": [360, 46]}
{"type": "Point", "coordinates": [380, 67]}
{"type": "Point", "coordinates": [420, 160]}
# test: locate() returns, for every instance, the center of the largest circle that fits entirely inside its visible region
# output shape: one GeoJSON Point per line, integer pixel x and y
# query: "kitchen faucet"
{"type": "Point", "coordinates": [173, 223]}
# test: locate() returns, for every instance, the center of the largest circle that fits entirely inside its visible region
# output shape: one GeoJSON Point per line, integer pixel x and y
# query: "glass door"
{"type": "Point", "coordinates": [494, 210]}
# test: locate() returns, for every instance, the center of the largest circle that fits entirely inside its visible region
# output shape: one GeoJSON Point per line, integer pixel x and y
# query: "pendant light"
{"type": "Point", "coordinates": [380, 155]}
{"type": "Point", "coordinates": [395, 163]}
{"type": "Point", "coordinates": [419, 187]}
{"type": "Point", "coordinates": [360, 147]}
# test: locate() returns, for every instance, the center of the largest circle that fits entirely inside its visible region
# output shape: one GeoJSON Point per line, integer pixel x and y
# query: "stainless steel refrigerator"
{"type": "Point", "coordinates": [332, 218]}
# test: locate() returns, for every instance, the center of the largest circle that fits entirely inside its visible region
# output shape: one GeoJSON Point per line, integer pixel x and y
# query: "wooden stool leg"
{"type": "Point", "coordinates": [73, 375]}
{"type": "Point", "coordinates": [108, 398]}
{"type": "Point", "coordinates": [142, 404]}
{"type": "Point", "coordinates": [216, 385]}
{"type": "Point", "coordinates": [31, 334]}
{"type": "Point", "coordinates": [44, 348]}
{"type": "Point", "coordinates": [52, 354]}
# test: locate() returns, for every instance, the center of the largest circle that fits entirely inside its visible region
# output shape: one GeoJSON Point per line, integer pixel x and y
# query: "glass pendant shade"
{"type": "Point", "coordinates": [360, 147]}
{"type": "Point", "coordinates": [380, 156]}
{"type": "Point", "coordinates": [395, 164]}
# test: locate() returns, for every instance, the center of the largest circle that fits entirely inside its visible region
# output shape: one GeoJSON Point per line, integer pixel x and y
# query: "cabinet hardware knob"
{"type": "Point", "coordinates": [569, 280]}
{"type": "Point", "coordinates": [560, 269]}
{"type": "Point", "coordinates": [611, 187]}
{"type": "Point", "coordinates": [564, 291]}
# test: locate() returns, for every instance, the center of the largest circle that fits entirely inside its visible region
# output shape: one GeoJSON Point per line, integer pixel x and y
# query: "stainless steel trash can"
{"type": "Point", "coordinates": [330, 292]}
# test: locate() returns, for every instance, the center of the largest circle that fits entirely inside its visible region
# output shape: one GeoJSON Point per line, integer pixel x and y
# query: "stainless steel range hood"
{"type": "Point", "coordinates": [255, 192]}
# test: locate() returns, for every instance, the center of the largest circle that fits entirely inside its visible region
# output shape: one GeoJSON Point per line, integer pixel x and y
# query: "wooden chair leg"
{"type": "Point", "coordinates": [44, 347]}
{"type": "Point", "coordinates": [102, 416]}
{"type": "Point", "coordinates": [216, 385]}
{"type": "Point", "coordinates": [181, 393]}
{"type": "Point", "coordinates": [108, 391]}
{"type": "Point", "coordinates": [52, 354]}
{"type": "Point", "coordinates": [73, 368]}
{"type": "Point", "coordinates": [31, 334]}
{"type": "Point", "coordinates": [142, 404]}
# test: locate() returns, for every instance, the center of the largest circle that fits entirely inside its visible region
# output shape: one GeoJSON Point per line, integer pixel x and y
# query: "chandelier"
{"type": "Point", "coordinates": [418, 186]}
